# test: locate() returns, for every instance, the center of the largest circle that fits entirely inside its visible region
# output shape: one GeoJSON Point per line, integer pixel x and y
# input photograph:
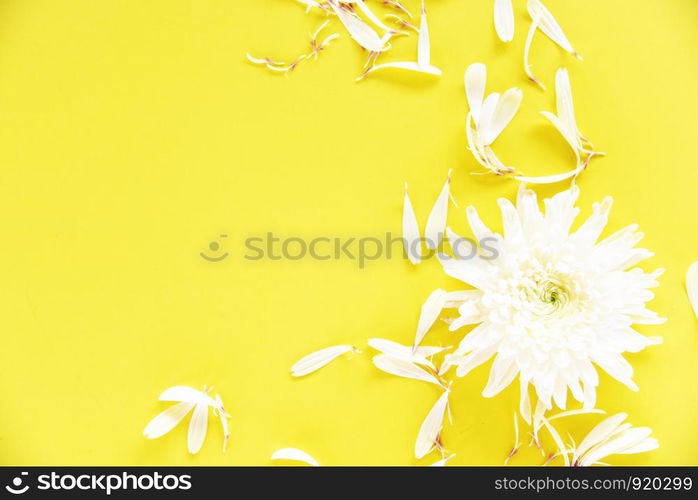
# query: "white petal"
{"type": "Point", "coordinates": [294, 454]}
{"type": "Point", "coordinates": [601, 432]}
{"type": "Point", "coordinates": [431, 427]}
{"type": "Point", "coordinates": [410, 231]}
{"type": "Point", "coordinates": [197, 428]}
{"type": "Point", "coordinates": [223, 415]}
{"type": "Point", "coordinates": [643, 446]}
{"type": "Point", "coordinates": [407, 353]}
{"type": "Point", "coordinates": [402, 368]}
{"type": "Point", "coordinates": [411, 66]}
{"type": "Point", "coordinates": [489, 105]}
{"type": "Point", "coordinates": [361, 32]}
{"type": "Point", "coordinates": [479, 229]}
{"type": "Point", "coordinates": [548, 25]}
{"type": "Point", "coordinates": [617, 444]}
{"type": "Point", "coordinates": [316, 360]}
{"type": "Point", "coordinates": [506, 109]}
{"type": "Point", "coordinates": [571, 413]}
{"type": "Point", "coordinates": [504, 20]}
{"type": "Point", "coordinates": [565, 104]}
{"type": "Point", "coordinates": [568, 134]}
{"type": "Point", "coordinates": [502, 373]}
{"type": "Point", "coordinates": [475, 81]}
{"type": "Point", "coordinates": [187, 395]}
{"type": "Point", "coordinates": [430, 312]}
{"type": "Point", "coordinates": [558, 441]}
{"type": "Point", "coordinates": [436, 223]}
{"type": "Point", "coordinates": [167, 420]}
{"type": "Point", "coordinates": [551, 179]}
{"type": "Point", "coordinates": [443, 461]}
{"type": "Point", "coordinates": [371, 16]}
{"type": "Point", "coordinates": [527, 50]}
{"type": "Point", "coordinates": [692, 286]}
{"type": "Point", "coordinates": [423, 45]}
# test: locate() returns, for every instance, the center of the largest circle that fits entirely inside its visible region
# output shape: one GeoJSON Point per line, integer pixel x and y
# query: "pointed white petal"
{"type": "Point", "coordinates": [371, 16]}
{"type": "Point", "coordinates": [692, 286]}
{"type": "Point", "coordinates": [431, 427]}
{"type": "Point", "coordinates": [601, 432]}
{"type": "Point", "coordinates": [411, 66]}
{"type": "Point", "coordinates": [436, 223]}
{"type": "Point", "coordinates": [489, 105]}
{"type": "Point", "coordinates": [571, 413]}
{"type": "Point", "coordinates": [361, 32]}
{"type": "Point", "coordinates": [502, 373]}
{"type": "Point", "coordinates": [407, 353]}
{"type": "Point", "coordinates": [187, 395]}
{"type": "Point", "coordinates": [412, 240]}
{"type": "Point", "coordinates": [197, 428]}
{"type": "Point", "coordinates": [558, 441]}
{"type": "Point", "coordinates": [167, 420]}
{"type": "Point", "coordinates": [627, 439]}
{"type": "Point", "coordinates": [430, 312]}
{"type": "Point", "coordinates": [565, 104]}
{"type": "Point", "coordinates": [507, 107]}
{"type": "Point", "coordinates": [402, 368]}
{"type": "Point", "coordinates": [316, 360]}
{"type": "Point", "coordinates": [549, 25]}
{"type": "Point", "coordinates": [475, 81]}
{"type": "Point", "coordinates": [527, 50]}
{"type": "Point", "coordinates": [504, 20]}
{"type": "Point", "coordinates": [647, 444]}
{"type": "Point", "coordinates": [294, 454]}
{"type": "Point", "coordinates": [551, 179]}
{"type": "Point", "coordinates": [567, 133]}
{"type": "Point", "coordinates": [423, 45]}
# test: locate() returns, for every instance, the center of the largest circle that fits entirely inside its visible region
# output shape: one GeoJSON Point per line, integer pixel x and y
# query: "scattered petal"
{"type": "Point", "coordinates": [504, 20]}
{"type": "Point", "coordinates": [411, 238]}
{"type": "Point", "coordinates": [430, 312]}
{"type": "Point", "coordinates": [402, 368]}
{"type": "Point", "coordinates": [294, 454]}
{"type": "Point", "coordinates": [197, 428]}
{"type": "Point", "coordinates": [316, 360]}
{"type": "Point", "coordinates": [436, 223]}
{"type": "Point", "coordinates": [167, 420]}
{"type": "Point", "coordinates": [692, 286]}
{"type": "Point", "coordinates": [431, 427]}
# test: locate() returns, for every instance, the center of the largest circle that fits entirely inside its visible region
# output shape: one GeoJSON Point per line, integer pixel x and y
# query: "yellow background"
{"type": "Point", "coordinates": [133, 133]}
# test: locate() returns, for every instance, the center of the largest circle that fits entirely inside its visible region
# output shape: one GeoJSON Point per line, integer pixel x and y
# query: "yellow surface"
{"type": "Point", "coordinates": [134, 133]}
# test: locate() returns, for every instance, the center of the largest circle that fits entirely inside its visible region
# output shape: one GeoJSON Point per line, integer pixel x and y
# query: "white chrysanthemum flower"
{"type": "Point", "coordinates": [550, 305]}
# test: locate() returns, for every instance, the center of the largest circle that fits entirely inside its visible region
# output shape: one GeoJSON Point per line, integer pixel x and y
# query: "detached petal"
{"type": "Point", "coordinates": [504, 20]}
{"type": "Point", "coordinates": [549, 25]}
{"type": "Point", "coordinates": [423, 45]}
{"type": "Point", "coordinates": [412, 240]}
{"type": "Point", "coordinates": [430, 312]}
{"type": "Point", "coordinates": [475, 81]}
{"type": "Point", "coordinates": [316, 360]}
{"type": "Point", "coordinates": [692, 286]}
{"type": "Point", "coordinates": [402, 368]}
{"type": "Point", "coordinates": [187, 395]}
{"type": "Point", "coordinates": [431, 427]}
{"type": "Point", "coordinates": [167, 420]}
{"type": "Point", "coordinates": [436, 223]}
{"type": "Point", "coordinates": [197, 428]}
{"type": "Point", "coordinates": [361, 32]}
{"type": "Point", "coordinates": [294, 454]}
{"type": "Point", "coordinates": [507, 107]}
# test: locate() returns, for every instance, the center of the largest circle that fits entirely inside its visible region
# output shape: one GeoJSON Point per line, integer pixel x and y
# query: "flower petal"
{"type": "Point", "coordinates": [187, 395]}
{"type": "Point", "coordinates": [402, 368]}
{"type": "Point", "coordinates": [507, 107]}
{"type": "Point", "coordinates": [165, 421]}
{"type": "Point", "coordinates": [436, 223]}
{"type": "Point", "coordinates": [316, 360]}
{"type": "Point", "coordinates": [197, 428]}
{"type": "Point", "coordinates": [504, 20]}
{"type": "Point", "coordinates": [423, 45]}
{"type": "Point", "coordinates": [430, 312]}
{"type": "Point", "coordinates": [411, 238]}
{"type": "Point", "coordinates": [475, 81]}
{"type": "Point", "coordinates": [692, 286]}
{"type": "Point", "coordinates": [549, 25]}
{"type": "Point", "coordinates": [294, 454]}
{"type": "Point", "coordinates": [431, 427]}
{"type": "Point", "coordinates": [361, 32]}
{"type": "Point", "coordinates": [601, 432]}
